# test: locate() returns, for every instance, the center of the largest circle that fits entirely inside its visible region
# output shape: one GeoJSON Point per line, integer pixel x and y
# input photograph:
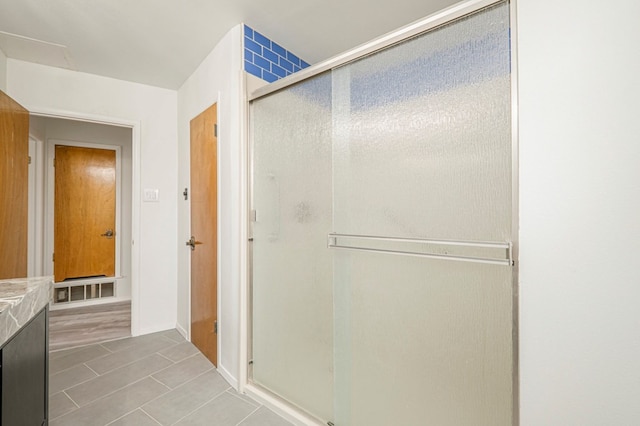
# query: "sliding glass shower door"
{"type": "Point", "coordinates": [382, 267]}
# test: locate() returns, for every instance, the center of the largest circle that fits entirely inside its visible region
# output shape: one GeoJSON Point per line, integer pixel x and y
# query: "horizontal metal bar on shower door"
{"type": "Point", "coordinates": [496, 253]}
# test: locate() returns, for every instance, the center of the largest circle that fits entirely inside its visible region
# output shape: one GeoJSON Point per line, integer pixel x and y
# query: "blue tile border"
{"type": "Point", "coordinates": [266, 59]}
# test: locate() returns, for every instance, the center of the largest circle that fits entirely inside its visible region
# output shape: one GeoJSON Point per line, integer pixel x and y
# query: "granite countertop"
{"type": "Point", "coordinates": [20, 300]}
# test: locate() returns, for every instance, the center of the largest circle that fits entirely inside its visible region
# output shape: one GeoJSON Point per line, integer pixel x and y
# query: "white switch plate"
{"type": "Point", "coordinates": [151, 195]}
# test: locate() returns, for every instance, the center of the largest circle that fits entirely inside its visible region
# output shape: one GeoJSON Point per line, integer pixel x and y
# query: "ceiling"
{"type": "Point", "coordinates": [161, 42]}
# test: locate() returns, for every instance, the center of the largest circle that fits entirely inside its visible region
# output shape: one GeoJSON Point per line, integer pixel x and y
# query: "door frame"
{"type": "Point", "coordinates": [136, 200]}
{"type": "Point", "coordinates": [220, 139]}
{"type": "Point", "coordinates": [50, 204]}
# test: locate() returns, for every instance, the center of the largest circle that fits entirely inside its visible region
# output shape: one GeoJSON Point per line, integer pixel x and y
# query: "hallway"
{"type": "Point", "coordinates": [151, 380]}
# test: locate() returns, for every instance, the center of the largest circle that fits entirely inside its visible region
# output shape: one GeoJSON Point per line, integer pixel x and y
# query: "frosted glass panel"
{"type": "Point", "coordinates": [292, 267]}
{"type": "Point", "coordinates": [422, 342]}
{"type": "Point", "coordinates": [423, 148]}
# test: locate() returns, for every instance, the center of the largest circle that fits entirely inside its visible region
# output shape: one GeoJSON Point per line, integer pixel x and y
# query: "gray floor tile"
{"type": "Point", "coordinates": [114, 406]}
{"type": "Point", "coordinates": [64, 352]}
{"type": "Point", "coordinates": [136, 418]}
{"type": "Point", "coordinates": [121, 358]}
{"type": "Point", "coordinates": [251, 401]}
{"type": "Point", "coordinates": [183, 371]}
{"type": "Point", "coordinates": [76, 357]}
{"type": "Point", "coordinates": [131, 342]}
{"type": "Point", "coordinates": [69, 377]}
{"type": "Point", "coordinates": [264, 417]}
{"type": "Point", "coordinates": [87, 392]}
{"type": "Point", "coordinates": [183, 400]}
{"type": "Point", "coordinates": [180, 351]}
{"type": "Point", "coordinates": [60, 404]}
{"type": "Point", "coordinates": [174, 335]}
{"type": "Point", "coordinates": [225, 410]}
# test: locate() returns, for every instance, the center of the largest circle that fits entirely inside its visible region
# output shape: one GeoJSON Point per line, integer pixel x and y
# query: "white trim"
{"type": "Point", "coordinates": [182, 331]}
{"type": "Point", "coordinates": [244, 312]}
{"type": "Point", "coordinates": [280, 407]}
{"type": "Point", "coordinates": [136, 143]}
{"type": "Point", "coordinates": [227, 376]}
{"type": "Point", "coordinates": [219, 141]}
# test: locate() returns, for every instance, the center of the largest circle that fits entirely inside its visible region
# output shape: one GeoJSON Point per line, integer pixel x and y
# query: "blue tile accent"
{"type": "Point", "coordinates": [252, 46]}
{"type": "Point", "coordinates": [266, 75]}
{"type": "Point", "coordinates": [293, 58]}
{"type": "Point", "coordinates": [262, 62]}
{"type": "Point", "coordinates": [252, 69]}
{"type": "Point", "coordinates": [262, 39]}
{"type": "Point", "coordinates": [278, 49]}
{"type": "Point", "coordinates": [279, 71]}
{"type": "Point", "coordinates": [267, 59]}
{"type": "Point", "coordinates": [270, 55]}
{"type": "Point", "coordinates": [286, 65]}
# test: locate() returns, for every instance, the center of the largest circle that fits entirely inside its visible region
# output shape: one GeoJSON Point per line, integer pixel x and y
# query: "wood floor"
{"type": "Point", "coordinates": [81, 326]}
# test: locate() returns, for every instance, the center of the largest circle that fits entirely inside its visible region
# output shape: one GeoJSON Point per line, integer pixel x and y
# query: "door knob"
{"type": "Point", "coordinates": [192, 242]}
{"type": "Point", "coordinates": [108, 234]}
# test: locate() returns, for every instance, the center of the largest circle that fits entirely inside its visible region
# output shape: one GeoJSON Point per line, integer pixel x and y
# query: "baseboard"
{"type": "Point", "coordinates": [228, 376]}
{"type": "Point", "coordinates": [182, 331]}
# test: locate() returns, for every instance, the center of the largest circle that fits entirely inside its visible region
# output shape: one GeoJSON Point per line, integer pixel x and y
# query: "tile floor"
{"type": "Point", "coordinates": [151, 380]}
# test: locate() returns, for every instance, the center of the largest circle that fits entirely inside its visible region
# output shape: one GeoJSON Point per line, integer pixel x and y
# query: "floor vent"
{"type": "Point", "coordinates": [82, 292]}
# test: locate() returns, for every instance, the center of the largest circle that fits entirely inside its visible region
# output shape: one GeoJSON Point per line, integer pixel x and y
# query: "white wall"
{"type": "Point", "coordinates": [580, 212]}
{"type": "Point", "coordinates": [217, 79]}
{"type": "Point", "coordinates": [3, 71]}
{"type": "Point", "coordinates": [45, 89]}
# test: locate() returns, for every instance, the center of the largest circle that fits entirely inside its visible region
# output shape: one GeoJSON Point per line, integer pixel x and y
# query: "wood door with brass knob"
{"type": "Point", "coordinates": [84, 212]}
{"type": "Point", "coordinates": [204, 233]}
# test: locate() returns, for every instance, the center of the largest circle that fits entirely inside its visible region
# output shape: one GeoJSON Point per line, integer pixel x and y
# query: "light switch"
{"type": "Point", "coordinates": [151, 195]}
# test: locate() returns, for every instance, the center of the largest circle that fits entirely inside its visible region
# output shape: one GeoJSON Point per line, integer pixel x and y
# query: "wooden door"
{"type": "Point", "coordinates": [204, 232]}
{"type": "Point", "coordinates": [84, 212]}
{"type": "Point", "coordinates": [14, 187]}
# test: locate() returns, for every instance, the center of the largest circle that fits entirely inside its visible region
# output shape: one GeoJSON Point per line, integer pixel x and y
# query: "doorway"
{"type": "Point", "coordinates": [74, 285]}
{"type": "Point", "coordinates": [204, 233]}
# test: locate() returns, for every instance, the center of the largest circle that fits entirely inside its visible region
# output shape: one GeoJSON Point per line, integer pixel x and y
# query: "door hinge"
{"type": "Point", "coordinates": [215, 130]}
{"type": "Point", "coordinates": [215, 326]}
{"type": "Point", "coordinates": [186, 193]}
{"type": "Point", "coordinates": [54, 161]}
{"type": "Point", "coordinates": [29, 159]}
{"type": "Point", "coordinates": [53, 257]}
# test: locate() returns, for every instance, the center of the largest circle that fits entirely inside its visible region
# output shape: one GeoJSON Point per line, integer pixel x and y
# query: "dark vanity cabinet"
{"type": "Point", "coordinates": [24, 371]}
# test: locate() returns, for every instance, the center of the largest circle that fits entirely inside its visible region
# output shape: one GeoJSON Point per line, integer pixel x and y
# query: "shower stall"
{"type": "Point", "coordinates": [383, 220]}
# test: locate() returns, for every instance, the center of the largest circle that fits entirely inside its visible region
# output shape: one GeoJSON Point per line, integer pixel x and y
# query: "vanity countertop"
{"type": "Point", "coordinates": [20, 300]}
